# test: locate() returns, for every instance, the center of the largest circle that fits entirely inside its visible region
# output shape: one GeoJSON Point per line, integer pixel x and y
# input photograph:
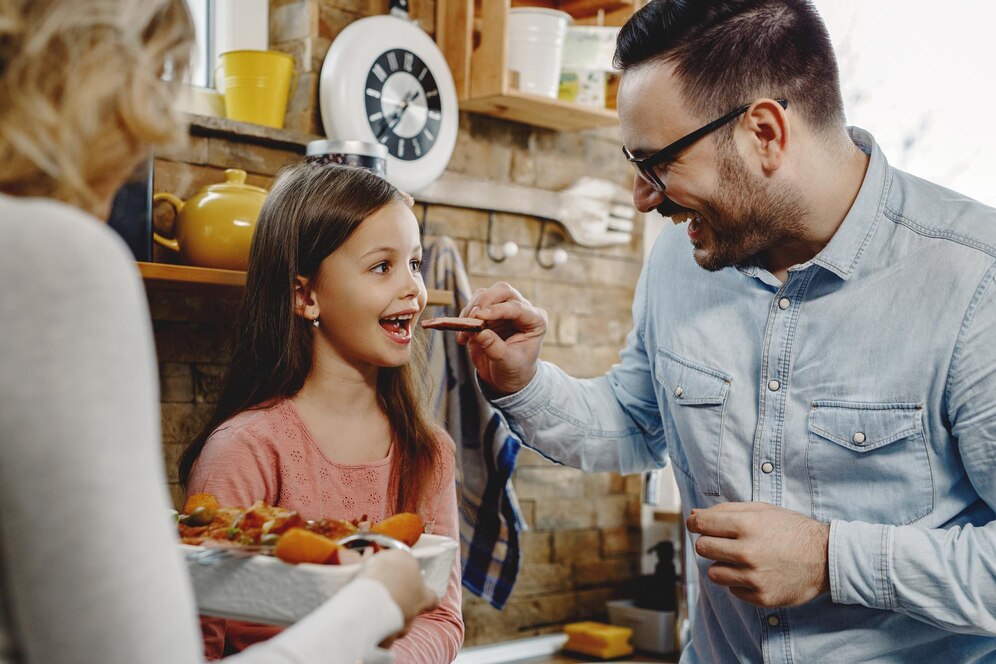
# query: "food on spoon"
{"type": "Point", "coordinates": [455, 324]}
{"type": "Point", "coordinates": [405, 527]}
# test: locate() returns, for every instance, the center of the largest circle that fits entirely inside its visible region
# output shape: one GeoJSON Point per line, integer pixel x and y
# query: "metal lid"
{"type": "Point", "coordinates": [346, 147]}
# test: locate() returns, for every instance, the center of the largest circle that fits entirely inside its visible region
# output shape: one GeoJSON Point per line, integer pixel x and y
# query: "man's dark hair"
{"type": "Point", "coordinates": [731, 52]}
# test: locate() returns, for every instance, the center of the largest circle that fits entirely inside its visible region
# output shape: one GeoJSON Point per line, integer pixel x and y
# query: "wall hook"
{"type": "Point", "coordinates": [559, 256]}
{"type": "Point", "coordinates": [508, 249]}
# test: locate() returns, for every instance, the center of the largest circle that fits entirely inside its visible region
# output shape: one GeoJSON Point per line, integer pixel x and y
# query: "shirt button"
{"type": "Point", "coordinates": [774, 621]}
{"type": "Point", "coordinates": [784, 303]}
{"type": "Point", "coordinates": [767, 467]}
{"type": "Point", "coordinates": [678, 391]}
{"type": "Point", "coordinates": [774, 385]}
{"type": "Point", "coordinates": [859, 438]}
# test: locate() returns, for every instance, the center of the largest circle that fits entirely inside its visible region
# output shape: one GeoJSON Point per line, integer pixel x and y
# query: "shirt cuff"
{"type": "Point", "coordinates": [530, 399]}
{"type": "Point", "coordinates": [860, 559]}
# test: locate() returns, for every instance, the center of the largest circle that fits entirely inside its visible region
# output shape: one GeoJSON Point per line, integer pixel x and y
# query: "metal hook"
{"type": "Point", "coordinates": [508, 249]}
{"type": "Point", "coordinates": [490, 246]}
{"type": "Point", "coordinates": [559, 255]}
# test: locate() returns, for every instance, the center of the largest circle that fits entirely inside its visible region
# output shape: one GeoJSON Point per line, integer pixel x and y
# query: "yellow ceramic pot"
{"type": "Point", "coordinates": [213, 228]}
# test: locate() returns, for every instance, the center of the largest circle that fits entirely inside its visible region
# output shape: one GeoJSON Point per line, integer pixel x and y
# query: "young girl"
{"type": "Point", "coordinates": [320, 410]}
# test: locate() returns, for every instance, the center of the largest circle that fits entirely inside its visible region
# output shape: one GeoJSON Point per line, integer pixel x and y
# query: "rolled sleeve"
{"type": "Point", "coordinates": [860, 556]}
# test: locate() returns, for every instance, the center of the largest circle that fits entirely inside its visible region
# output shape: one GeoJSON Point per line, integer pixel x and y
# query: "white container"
{"type": "Point", "coordinates": [535, 48]}
{"type": "Point", "coordinates": [267, 590]}
{"type": "Point", "coordinates": [653, 631]}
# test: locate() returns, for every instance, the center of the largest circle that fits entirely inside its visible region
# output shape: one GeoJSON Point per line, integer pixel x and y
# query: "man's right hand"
{"type": "Point", "coordinates": [506, 354]}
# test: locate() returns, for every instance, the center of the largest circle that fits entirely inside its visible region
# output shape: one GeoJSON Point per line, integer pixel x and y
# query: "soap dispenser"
{"type": "Point", "coordinates": [658, 592]}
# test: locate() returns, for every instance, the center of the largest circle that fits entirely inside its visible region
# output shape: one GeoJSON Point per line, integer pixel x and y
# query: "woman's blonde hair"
{"type": "Point", "coordinates": [82, 94]}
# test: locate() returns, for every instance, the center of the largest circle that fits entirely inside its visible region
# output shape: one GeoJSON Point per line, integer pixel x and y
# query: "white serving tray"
{"type": "Point", "coordinates": [267, 590]}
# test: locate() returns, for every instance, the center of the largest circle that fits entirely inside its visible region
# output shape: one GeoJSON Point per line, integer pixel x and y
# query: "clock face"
{"type": "Point", "coordinates": [403, 105]}
{"type": "Point", "coordinates": [384, 80]}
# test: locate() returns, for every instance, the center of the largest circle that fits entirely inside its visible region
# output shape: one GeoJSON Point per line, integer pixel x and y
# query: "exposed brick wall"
{"type": "Point", "coordinates": [584, 544]}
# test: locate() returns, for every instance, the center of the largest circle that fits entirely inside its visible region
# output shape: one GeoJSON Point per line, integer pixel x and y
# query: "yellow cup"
{"type": "Point", "coordinates": [256, 85]}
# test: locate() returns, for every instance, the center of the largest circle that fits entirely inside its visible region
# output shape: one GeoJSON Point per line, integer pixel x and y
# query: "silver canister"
{"type": "Point", "coordinates": [371, 156]}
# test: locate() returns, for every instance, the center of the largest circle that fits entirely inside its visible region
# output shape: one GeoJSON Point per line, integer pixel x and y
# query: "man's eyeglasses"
{"type": "Point", "coordinates": [646, 167]}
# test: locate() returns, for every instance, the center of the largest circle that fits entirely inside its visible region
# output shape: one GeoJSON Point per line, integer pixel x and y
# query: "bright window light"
{"type": "Point", "coordinates": [201, 71]}
{"type": "Point", "coordinates": [918, 77]}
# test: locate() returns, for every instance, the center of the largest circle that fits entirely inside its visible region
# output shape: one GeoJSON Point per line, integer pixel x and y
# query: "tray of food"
{"type": "Point", "coordinates": [266, 564]}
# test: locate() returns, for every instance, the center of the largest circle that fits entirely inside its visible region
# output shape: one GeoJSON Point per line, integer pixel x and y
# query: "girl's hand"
{"type": "Point", "coordinates": [400, 574]}
{"type": "Point", "coordinates": [506, 354]}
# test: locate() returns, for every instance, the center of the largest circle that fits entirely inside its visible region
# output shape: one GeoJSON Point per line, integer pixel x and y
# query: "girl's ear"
{"type": "Point", "coordinates": [304, 300]}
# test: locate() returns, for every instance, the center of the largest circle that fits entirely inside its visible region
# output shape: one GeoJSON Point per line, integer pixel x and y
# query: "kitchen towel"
{"type": "Point", "coordinates": [490, 519]}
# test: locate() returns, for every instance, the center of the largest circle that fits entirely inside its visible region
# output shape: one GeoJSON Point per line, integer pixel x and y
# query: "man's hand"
{"type": "Point", "coordinates": [766, 555]}
{"type": "Point", "coordinates": [507, 353]}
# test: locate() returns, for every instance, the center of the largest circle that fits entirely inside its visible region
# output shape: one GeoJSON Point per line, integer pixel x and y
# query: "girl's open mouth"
{"type": "Point", "coordinates": [399, 328]}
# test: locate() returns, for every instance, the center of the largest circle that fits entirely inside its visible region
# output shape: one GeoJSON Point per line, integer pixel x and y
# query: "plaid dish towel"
{"type": "Point", "coordinates": [490, 519]}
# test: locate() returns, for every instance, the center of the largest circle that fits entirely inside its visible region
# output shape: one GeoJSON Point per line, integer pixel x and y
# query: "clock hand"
{"type": "Point", "coordinates": [395, 118]}
{"type": "Point", "coordinates": [409, 98]}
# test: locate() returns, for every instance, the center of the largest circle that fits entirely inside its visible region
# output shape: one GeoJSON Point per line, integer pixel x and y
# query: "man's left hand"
{"type": "Point", "coordinates": [766, 555]}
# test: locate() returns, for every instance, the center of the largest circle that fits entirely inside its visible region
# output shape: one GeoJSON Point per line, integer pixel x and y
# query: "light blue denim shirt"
{"type": "Point", "coordinates": [860, 392]}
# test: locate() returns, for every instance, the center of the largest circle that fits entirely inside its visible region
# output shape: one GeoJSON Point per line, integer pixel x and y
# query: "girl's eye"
{"type": "Point", "coordinates": [381, 267]}
{"type": "Point", "coordinates": [416, 264]}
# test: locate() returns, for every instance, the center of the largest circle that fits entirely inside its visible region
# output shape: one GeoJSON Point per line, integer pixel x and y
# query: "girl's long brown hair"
{"type": "Point", "coordinates": [311, 211]}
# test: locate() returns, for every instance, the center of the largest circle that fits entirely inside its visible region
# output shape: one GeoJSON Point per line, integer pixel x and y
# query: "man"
{"type": "Point", "coordinates": [825, 387]}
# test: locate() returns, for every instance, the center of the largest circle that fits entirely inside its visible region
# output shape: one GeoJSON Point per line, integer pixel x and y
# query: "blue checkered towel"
{"type": "Point", "coordinates": [490, 519]}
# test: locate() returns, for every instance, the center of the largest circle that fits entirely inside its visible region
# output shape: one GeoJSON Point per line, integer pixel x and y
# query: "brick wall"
{"type": "Point", "coordinates": [584, 545]}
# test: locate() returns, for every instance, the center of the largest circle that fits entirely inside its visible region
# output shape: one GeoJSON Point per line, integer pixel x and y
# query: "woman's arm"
{"type": "Point", "coordinates": [91, 569]}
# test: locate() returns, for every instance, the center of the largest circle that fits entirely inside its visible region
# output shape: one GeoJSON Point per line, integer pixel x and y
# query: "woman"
{"type": "Point", "coordinates": [88, 565]}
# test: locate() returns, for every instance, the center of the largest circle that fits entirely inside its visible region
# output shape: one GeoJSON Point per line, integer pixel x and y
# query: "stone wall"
{"type": "Point", "coordinates": [584, 542]}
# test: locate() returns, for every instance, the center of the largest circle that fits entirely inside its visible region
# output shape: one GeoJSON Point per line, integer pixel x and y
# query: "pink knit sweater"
{"type": "Point", "coordinates": [269, 455]}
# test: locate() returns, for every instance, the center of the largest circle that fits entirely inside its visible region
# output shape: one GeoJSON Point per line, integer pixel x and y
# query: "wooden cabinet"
{"type": "Point", "coordinates": [473, 36]}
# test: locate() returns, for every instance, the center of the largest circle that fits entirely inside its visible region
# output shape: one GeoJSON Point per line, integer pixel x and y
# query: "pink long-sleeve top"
{"type": "Point", "coordinates": [268, 454]}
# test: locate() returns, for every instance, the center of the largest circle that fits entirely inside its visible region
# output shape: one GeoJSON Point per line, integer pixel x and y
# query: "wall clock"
{"type": "Point", "coordinates": [385, 80]}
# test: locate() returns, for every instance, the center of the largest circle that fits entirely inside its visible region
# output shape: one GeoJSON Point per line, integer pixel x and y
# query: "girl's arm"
{"type": "Point", "coordinates": [435, 637]}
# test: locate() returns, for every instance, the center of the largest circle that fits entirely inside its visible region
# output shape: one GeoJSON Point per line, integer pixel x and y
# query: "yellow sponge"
{"type": "Point", "coordinates": [598, 639]}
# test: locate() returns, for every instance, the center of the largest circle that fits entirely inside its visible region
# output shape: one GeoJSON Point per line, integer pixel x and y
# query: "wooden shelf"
{"type": "Point", "coordinates": [186, 277]}
{"type": "Point", "coordinates": [541, 111]}
{"type": "Point", "coordinates": [164, 274]}
{"type": "Point", "coordinates": [477, 57]}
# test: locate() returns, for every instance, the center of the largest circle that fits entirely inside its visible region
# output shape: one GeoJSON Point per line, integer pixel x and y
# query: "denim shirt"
{"type": "Point", "coordinates": [860, 392]}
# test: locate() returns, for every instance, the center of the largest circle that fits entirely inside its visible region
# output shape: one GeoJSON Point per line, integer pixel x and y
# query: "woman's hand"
{"type": "Point", "coordinates": [505, 354]}
{"type": "Point", "coordinates": [400, 574]}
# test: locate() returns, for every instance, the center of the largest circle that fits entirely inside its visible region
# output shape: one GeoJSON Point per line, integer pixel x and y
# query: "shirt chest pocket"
{"type": "Point", "coordinates": [693, 402]}
{"type": "Point", "coordinates": [869, 462]}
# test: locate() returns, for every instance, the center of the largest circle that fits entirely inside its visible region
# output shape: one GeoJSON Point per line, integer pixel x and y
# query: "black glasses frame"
{"type": "Point", "coordinates": [645, 165]}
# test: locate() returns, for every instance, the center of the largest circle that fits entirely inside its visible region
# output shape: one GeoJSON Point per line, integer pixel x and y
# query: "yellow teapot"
{"type": "Point", "coordinates": [213, 228]}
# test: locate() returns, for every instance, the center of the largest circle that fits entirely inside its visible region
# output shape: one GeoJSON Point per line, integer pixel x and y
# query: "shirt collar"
{"type": "Point", "coordinates": [846, 247]}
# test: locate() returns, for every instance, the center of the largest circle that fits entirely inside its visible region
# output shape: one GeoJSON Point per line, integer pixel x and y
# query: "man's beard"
{"type": "Point", "coordinates": [748, 217]}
